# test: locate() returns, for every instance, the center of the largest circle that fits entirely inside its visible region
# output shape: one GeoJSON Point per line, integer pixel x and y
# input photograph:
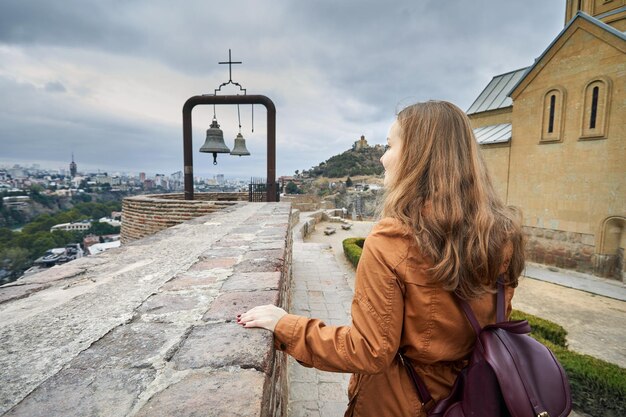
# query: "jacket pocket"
{"type": "Point", "coordinates": [353, 393]}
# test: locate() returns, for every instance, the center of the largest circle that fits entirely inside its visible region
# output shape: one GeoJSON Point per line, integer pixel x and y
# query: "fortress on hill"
{"type": "Point", "coordinates": [148, 329]}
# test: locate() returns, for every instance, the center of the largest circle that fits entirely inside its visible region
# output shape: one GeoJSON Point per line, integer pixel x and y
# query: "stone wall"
{"type": "Point", "coordinates": [562, 249]}
{"type": "Point", "coordinates": [302, 202]}
{"type": "Point", "coordinates": [571, 250]}
{"type": "Point", "coordinates": [145, 215]}
{"type": "Point", "coordinates": [148, 329]}
{"type": "Point", "coordinates": [492, 117]}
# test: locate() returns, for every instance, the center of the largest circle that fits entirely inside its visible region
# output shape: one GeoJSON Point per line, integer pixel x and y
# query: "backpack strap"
{"type": "Point", "coordinates": [467, 309]}
{"type": "Point", "coordinates": [500, 310]}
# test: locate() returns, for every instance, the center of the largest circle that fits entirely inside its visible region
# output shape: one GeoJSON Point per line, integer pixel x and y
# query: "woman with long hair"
{"type": "Point", "coordinates": [444, 231]}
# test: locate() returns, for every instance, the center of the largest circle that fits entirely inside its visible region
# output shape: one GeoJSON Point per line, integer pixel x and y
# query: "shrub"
{"type": "Point", "coordinates": [352, 248]}
{"type": "Point", "coordinates": [543, 328]}
{"type": "Point", "coordinates": [598, 387]}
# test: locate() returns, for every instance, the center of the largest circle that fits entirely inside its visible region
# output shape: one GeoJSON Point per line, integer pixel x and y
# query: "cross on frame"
{"type": "Point", "coordinates": [230, 63]}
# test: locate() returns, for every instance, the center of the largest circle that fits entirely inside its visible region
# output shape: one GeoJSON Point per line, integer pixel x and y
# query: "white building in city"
{"type": "Point", "coordinates": [80, 226]}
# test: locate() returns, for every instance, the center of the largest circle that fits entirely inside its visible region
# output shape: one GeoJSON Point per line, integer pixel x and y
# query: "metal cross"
{"type": "Point", "coordinates": [230, 63]}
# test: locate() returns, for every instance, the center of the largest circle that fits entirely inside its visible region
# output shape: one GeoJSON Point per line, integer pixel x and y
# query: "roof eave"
{"type": "Point", "coordinates": [513, 93]}
{"type": "Point", "coordinates": [481, 113]}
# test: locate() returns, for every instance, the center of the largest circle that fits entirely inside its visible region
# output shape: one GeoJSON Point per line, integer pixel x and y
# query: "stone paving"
{"type": "Point", "coordinates": [320, 290]}
{"type": "Point", "coordinates": [148, 329]}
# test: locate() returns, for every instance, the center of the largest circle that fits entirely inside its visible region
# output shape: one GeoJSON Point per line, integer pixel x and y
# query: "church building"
{"type": "Point", "coordinates": [553, 135]}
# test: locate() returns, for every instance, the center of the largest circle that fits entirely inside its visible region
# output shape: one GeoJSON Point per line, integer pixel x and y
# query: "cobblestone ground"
{"type": "Point", "coordinates": [319, 290]}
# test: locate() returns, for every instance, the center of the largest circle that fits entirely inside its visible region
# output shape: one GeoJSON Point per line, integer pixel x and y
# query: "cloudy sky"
{"type": "Point", "coordinates": [107, 79]}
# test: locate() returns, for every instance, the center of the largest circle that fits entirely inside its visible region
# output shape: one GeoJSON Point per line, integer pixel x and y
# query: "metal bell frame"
{"type": "Point", "coordinates": [214, 99]}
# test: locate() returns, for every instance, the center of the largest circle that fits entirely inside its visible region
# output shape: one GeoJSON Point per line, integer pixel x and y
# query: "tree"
{"type": "Point", "coordinates": [15, 260]}
{"type": "Point", "coordinates": [349, 182]}
{"type": "Point", "coordinates": [6, 235]}
{"type": "Point", "coordinates": [98, 229]}
{"type": "Point", "coordinates": [292, 188]}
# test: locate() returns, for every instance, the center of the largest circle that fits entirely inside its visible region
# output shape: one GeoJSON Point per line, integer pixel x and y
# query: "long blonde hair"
{"type": "Point", "coordinates": [443, 192]}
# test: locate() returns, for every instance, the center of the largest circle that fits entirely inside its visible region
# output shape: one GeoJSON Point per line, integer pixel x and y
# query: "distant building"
{"type": "Point", "coordinates": [105, 179]}
{"type": "Point", "coordinates": [142, 176]}
{"type": "Point", "coordinates": [90, 240]}
{"type": "Point", "coordinates": [360, 144]}
{"type": "Point", "coordinates": [73, 167]}
{"type": "Point", "coordinates": [18, 202]}
{"type": "Point", "coordinates": [80, 226]}
{"type": "Point", "coordinates": [114, 223]}
{"type": "Point", "coordinates": [101, 247]}
{"type": "Point", "coordinates": [58, 256]}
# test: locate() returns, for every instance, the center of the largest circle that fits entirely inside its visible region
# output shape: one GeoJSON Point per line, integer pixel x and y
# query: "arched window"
{"type": "Point", "coordinates": [553, 115]}
{"type": "Point", "coordinates": [551, 120]}
{"type": "Point", "coordinates": [596, 109]}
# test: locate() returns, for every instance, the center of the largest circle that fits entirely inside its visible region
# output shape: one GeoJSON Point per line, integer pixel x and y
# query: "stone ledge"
{"type": "Point", "coordinates": [149, 328]}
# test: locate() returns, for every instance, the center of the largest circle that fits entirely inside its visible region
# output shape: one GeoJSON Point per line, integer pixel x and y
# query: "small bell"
{"type": "Point", "coordinates": [214, 142]}
{"type": "Point", "coordinates": [240, 146]}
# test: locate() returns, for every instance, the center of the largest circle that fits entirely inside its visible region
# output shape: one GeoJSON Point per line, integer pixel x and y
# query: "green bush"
{"type": "Point", "coordinates": [352, 248]}
{"type": "Point", "coordinates": [543, 328]}
{"type": "Point", "coordinates": [598, 387]}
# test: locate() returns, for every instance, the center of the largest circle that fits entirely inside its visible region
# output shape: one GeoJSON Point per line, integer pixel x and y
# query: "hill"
{"type": "Point", "coordinates": [363, 161]}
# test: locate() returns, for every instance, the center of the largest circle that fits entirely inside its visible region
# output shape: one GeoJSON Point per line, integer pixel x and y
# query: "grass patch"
{"type": "Point", "coordinates": [598, 387]}
{"type": "Point", "coordinates": [544, 329]}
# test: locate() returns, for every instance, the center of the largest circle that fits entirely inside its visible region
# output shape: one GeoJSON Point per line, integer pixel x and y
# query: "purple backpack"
{"type": "Point", "coordinates": [509, 374]}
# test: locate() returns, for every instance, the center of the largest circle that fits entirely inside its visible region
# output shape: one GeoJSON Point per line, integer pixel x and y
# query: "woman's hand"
{"type": "Point", "coordinates": [265, 317]}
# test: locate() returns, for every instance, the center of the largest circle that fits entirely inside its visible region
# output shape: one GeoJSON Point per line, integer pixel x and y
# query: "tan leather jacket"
{"type": "Point", "coordinates": [394, 308]}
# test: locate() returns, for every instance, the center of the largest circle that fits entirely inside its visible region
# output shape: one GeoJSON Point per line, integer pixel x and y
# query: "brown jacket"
{"type": "Point", "coordinates": [394, 308]}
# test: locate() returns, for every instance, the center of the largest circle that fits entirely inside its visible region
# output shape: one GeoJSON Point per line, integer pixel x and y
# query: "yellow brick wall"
{"type": "Point", "coordinates": [571, 185]}
{"type": "Point", "coordinates": [492, 117]}
{"type": "Point", "coordinates": [496, 156]}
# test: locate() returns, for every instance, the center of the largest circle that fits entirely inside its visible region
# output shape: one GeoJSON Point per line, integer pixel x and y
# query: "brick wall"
{"type": "Point", "coordinates": [147, 214]}
{"type": "Point", "coordinates": [302, 202]}
{"type": "Point", "coordinates": [572, 250]}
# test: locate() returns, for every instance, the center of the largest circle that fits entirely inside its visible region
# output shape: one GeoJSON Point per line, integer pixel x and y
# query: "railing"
{"type": "Point", "coordinates": [257, 190]}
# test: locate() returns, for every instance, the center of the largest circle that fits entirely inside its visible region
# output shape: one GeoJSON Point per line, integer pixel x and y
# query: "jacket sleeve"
{"type": "Point", "coordinates": [369, 345]}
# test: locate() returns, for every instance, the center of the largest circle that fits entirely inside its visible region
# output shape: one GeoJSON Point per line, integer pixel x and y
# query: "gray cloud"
{"type": "Point", "coordinates": [335, 70]}
{"type": "Point", "coordinates": [55, 87]}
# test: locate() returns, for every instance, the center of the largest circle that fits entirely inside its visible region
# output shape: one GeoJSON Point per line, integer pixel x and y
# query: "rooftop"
{"type": "Point", "coordinates": [496, 94]}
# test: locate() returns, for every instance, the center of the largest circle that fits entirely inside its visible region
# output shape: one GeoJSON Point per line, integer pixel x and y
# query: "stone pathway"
{"type": "Point", "coordinates": [320, 290]}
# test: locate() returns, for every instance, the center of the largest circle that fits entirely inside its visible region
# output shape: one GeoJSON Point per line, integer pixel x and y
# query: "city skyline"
{"type": "Point", "coordinates": [101, 80]}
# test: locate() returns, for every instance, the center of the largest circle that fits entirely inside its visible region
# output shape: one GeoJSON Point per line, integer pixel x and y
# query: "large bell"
{"type": "Point", "coordinates": [214, 142]}
{"type": "Point", "coordinates": [240, 146]}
